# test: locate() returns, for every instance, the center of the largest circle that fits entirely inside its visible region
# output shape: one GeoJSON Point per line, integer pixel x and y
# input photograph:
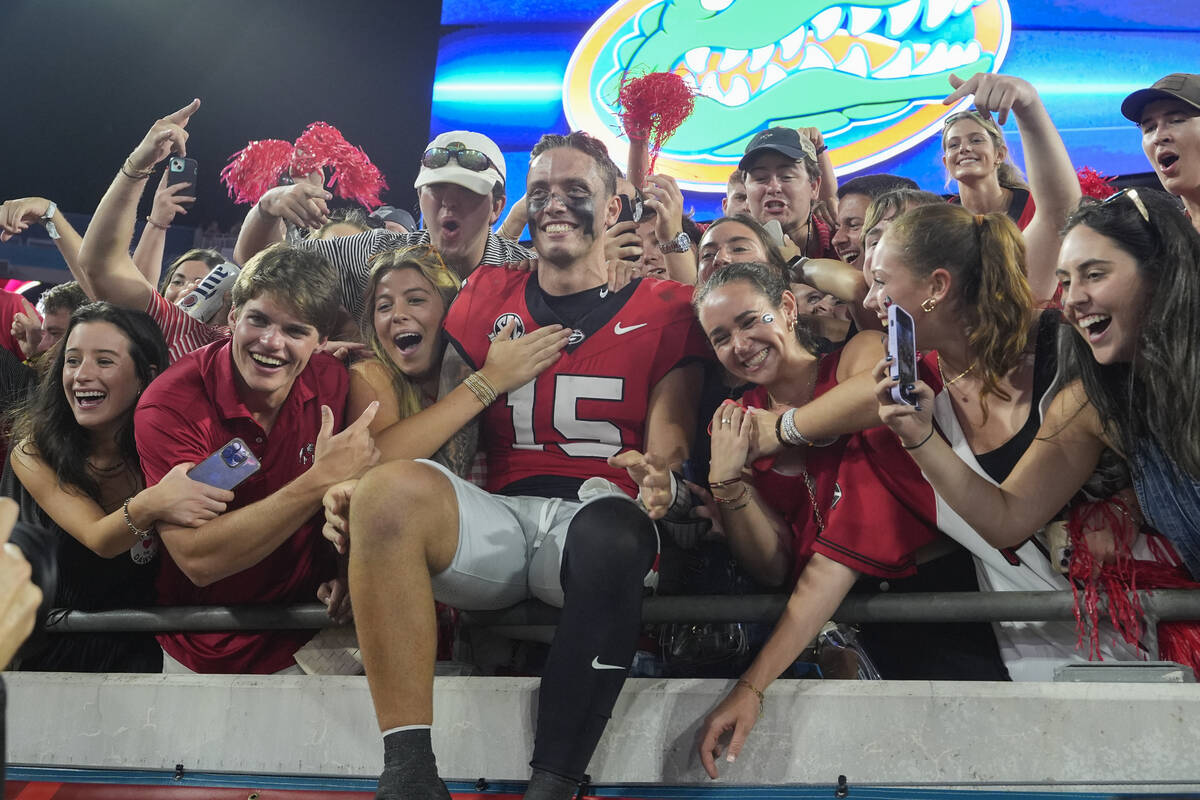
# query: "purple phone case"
{"type": "Point", "coordinates": [216, 472]}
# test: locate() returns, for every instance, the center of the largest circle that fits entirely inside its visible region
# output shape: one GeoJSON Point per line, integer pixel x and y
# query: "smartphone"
{"type": "Point", "coordinates": [631, 209]}
{"type": "Point", "coordinates": [902, 347]}
{"type": "Point", "coordinates": [227, 467]}
{"type": "Point", "coordinates": [182, 170]}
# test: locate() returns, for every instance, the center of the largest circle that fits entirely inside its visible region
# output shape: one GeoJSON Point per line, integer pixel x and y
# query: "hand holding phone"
{"type": "Point", "coordinates": [902, 347]}
{"type": "Point", "coordinates": [182, 170]}
{"type": "Point", "coordinates": [226, 467]}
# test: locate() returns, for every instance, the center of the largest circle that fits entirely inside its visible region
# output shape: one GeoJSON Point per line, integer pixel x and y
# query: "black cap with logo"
{"type": "Point", "coordinates": [788, 141]}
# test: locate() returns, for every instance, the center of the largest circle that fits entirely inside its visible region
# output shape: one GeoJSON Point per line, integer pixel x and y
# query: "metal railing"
{"type": "Point", "coordinates": [1163, 605]}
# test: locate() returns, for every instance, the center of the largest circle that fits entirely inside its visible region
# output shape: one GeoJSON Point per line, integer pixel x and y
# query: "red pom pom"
{"type": "Point", "coordinates": [354, 176]}
{"type": "Point", "coordinates": [1094, 184]}
{"type": "Point", "coordinates": [653, 106]}
{"type": "Point", "coordinates": [256, 168]}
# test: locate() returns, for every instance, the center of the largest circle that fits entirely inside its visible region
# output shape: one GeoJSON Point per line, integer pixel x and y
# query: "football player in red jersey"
{"type": "Point", "coordinates": [565, 464]}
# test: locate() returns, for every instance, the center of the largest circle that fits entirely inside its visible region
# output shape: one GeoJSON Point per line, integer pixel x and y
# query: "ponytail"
{"type": "Point", "coordinates": [1000, 310]}
{"type": "Point", "coordinates": [985, 255]}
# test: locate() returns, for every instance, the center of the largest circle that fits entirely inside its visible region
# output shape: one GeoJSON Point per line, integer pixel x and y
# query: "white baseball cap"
{"type": "Point", "coordinates": [451, 170]}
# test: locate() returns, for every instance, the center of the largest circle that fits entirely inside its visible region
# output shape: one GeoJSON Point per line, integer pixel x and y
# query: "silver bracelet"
{"type": "Point", "coordinates": [792, 434]}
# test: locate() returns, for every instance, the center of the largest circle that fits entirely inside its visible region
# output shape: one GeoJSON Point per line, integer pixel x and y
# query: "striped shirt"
{"type": "Point", "coordinates": [349, 255]}
{"type": "Point", "coordinates": [183, 332]}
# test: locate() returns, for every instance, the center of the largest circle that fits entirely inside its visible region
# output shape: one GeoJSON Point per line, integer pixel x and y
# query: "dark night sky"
{"type": "Point", "coordinates": [85, 79]}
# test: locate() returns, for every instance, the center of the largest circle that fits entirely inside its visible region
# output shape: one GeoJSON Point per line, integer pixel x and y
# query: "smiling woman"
{"type": "Point", "coordinates": [408, 293]}
{"type": "Point", "coordinates": [74, 471]}
{"type": "Point", "coordinates": [1129, 268]}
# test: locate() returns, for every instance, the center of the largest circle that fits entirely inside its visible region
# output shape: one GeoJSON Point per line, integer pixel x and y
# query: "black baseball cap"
{"type": "Point", "coordinates": [1178, 86]}
{"type": "Point", "coordinates": [787, 141]}
{"type": "Point", "coordinates": [392, 214]}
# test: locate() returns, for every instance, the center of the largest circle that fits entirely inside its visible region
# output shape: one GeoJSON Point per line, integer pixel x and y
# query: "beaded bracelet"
{"type": "Point", "coordinates": [160, 226]}
{"type": "Point", "coordinates": [142, 535]}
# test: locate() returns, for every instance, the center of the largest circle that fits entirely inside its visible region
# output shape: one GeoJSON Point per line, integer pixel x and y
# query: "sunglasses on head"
{"type": "Point", "coordinates": [1132, 194]}
{"type": "Point", "coordinates": [467, 158]}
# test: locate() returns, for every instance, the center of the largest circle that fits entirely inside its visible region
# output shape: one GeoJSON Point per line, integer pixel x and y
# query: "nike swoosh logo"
{"type": "Point", "coordinates": [618, 330]}
{"type": "Point", "coordinates": [597, 665]}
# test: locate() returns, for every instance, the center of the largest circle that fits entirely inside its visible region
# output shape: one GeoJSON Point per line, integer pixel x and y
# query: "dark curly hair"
{"type": "Point", "coordinates": [46, 420]}
{"type": "Point", "coordinates": [1154, 395]}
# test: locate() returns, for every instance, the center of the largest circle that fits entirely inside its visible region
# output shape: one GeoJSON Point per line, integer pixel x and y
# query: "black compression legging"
{"type": "Point", "coordinates": [610, 546]}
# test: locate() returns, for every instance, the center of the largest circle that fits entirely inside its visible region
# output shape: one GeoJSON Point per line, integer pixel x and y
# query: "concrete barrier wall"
{"type": "Point", "coordinates": [1138, 737]}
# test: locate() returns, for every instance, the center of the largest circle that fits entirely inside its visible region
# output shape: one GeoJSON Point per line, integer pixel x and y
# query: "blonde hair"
{"type": "Point", "coordinates": [426, 260]}
{"type": "Point", "coordinates": [1007, 173]}
{"type": "Point", "coordinates": [985, 255]}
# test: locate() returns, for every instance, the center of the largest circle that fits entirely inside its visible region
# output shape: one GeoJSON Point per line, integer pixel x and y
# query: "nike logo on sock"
{"type": "Point", "coordinates": [618, 330]}
{"type": "Point", "coordinates": [597, 665]}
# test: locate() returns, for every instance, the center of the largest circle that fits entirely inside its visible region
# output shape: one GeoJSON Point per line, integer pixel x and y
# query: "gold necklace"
{"type": "Point", "coordinates": [957, 377]}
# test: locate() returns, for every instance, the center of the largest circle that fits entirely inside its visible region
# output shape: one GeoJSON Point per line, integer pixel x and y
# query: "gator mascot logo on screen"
{"type": "Point", "coordinates": [871, 75]}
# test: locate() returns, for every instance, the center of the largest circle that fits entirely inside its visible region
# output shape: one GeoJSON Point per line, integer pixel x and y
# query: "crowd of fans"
{"type": "Point", "coordinates": [391, 417]}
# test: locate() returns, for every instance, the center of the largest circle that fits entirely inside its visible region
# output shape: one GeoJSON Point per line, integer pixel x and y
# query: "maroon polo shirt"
{"type": "Point", "coordinates": [187, 413]}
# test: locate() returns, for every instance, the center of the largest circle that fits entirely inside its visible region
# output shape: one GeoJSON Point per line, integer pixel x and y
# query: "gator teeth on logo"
{"type": "Point", "coordinates": [871, 75]}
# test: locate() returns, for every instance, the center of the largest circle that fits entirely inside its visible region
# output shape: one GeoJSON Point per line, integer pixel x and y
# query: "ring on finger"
{"type": "Point", "coordinates": [725, 420]}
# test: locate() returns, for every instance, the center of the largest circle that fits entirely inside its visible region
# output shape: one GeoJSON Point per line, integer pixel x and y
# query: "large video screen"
{"type": "Point", "coordinates": [871, 75]}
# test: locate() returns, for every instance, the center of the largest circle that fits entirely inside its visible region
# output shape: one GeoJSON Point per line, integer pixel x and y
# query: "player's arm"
{"type": "Point", "coordinates": [671, 414]}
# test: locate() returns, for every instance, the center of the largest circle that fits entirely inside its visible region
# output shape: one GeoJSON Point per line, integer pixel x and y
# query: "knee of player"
{"type": "Point", "coordinates": [611, 533]}
{"type": "Point", "coordinates": [389, 497]}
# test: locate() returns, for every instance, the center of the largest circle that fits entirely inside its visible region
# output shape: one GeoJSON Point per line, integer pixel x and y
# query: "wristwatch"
{"type": "Point", "coordinates": [48, 221]}
{"type": "Point", "coordinates": [677, 244]}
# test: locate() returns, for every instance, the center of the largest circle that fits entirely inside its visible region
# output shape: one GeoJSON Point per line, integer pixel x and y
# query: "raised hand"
{"type": "Point", "coordinates": [735, 716]}
{"type": "Point", "coordinates": [28, 333]}
{"type": "Point", "coordinates": [167, 135]}
{"type": "Point", "coordinates": [911, 424]}
{"type": "Point", "coordinates": [179, 500]}
{"type": "Point", "coordinates": [169, 201]}
{"type": "Point", "coordinates": [512, 363]}
{"type": "Point", "coordinates": [17, 215]}
{"type": "Point", "coordinates": [662, 195]}
{"type": "Point", "coordinates": [994, 93]}
{"type": "Point", "coordinates": [348, 454]}
{"type": "Point", "coordinates": [303, 204]}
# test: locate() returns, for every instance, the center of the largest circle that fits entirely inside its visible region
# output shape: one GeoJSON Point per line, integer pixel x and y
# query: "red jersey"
{"type": "Point", "coordinates": [592, 402]}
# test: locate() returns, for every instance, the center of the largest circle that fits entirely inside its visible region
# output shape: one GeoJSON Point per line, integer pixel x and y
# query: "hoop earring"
{"type": "Point", "coordinates": [928, 304]}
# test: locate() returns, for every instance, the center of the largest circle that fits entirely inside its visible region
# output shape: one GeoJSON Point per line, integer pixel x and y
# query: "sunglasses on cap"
{"type": "Point", "coordinates": [467, 158]}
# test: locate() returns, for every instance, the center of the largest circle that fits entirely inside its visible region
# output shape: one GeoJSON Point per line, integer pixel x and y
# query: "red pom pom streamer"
{"type": "Point", "coordinates": [354, 176]}
{"type": "Point", "coordinates": [653, 106]}
{"type": "Point", "coordinates": [1177, 641]}
{"type": "Point", "coordinates": [257, 167]}
{"type": "Point", "coordinates": [1094, 184]}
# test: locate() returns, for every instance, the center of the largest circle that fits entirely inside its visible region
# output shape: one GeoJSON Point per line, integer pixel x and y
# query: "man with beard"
{"type": "Point", "coordinates": [565, 464]}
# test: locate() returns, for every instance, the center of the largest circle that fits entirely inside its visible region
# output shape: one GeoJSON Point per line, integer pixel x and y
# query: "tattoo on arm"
{"type": "Point", "coordinates": [458, 453]}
